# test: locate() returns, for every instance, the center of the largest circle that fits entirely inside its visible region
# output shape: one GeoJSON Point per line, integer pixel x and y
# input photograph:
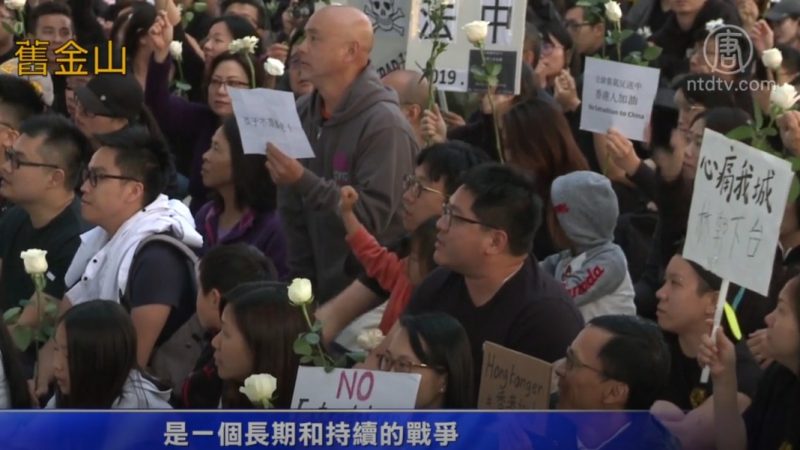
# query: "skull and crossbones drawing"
{"type": "Point", "coordinates": [385, 14]}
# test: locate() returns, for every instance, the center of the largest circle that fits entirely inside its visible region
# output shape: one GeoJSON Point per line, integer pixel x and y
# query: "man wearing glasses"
{"type": "Point", "coordinates": [488, 280]}
{"type": "Point", "coordinates": [39, 174]}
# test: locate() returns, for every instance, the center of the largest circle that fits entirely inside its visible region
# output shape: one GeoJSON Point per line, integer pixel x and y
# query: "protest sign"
{"type": "Point", "coordinates": [354, 389]}
{"type": "Point", "coordinates": [390, 21]}
{"type": "Point", "coordinates": [503, 43]}
{"type": "Point", "coordinates": [269, 116]}
{"type": "Point", "coordinates": [513, 380]}
{"type": "Point", "coordinates": [737, 207]}
{"type": "Point", "coordinates": [617, 95]}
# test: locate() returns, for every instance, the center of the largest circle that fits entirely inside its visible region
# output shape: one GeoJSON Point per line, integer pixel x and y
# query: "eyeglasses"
{"type": "Point", "coordinates": [215, 84]}
{"type": "Point", "coordinates": [571, 362]}
{"type": "Point", "coordinates": [412, 184]}
{"type": "Point", "coordinates": [448, 216]}
{"type": "Point", "coordinates": [12, 156]}
{"type": "Point", "coordinates": [570, 25]}
{"type": "Point", "coordinates": [387, 364]}
{"type": "Point", "coordinates": [548, 48]}
{"type": "Point", "coordinates": [94, 177]}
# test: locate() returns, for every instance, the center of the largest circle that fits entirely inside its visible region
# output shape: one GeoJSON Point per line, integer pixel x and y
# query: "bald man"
{"type": "Point", "coordinates": [360, 138]}
{"type": "Point", "coordinates": [413, 95]}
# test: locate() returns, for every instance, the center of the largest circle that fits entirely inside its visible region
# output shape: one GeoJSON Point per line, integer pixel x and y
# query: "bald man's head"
{"type": "Point", "coordinates": [410, 89]}
{"type": "Point", "coordinates": [338, 40]}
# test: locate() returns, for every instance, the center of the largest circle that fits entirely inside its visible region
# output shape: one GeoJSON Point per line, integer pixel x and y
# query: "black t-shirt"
{"type": "Point", "coordinates": [161, 274]}
{"type": "Point", "coordinates": [773, 419]}
{"type": "Point", "coordinates": [531, 313]}
{"type": "Point", "coordinates": [60, 238]}
{"type": "Point", "coordinates": [685, 389]}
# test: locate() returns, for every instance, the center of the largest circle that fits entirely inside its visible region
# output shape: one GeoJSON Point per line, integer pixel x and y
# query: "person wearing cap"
{"type": "Point", "coordinates": [686, 302]}
{"type": "Point", "coordinates": [784, 19]}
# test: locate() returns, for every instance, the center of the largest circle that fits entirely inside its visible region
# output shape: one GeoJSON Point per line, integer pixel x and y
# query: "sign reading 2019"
{"type": "Point", "coordinates": [737, 207]}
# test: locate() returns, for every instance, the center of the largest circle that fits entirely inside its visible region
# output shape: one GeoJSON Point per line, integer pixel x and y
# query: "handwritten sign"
{"type": "Point", "coordinates": [354, 389]}
{"type": "Point", "coordinates": [513, 380]}
{"type": "Point", "coordinates": [269, 116]}
{"type": "Point", "coordinates": [737, 208]}
{"type": "Point", "coordinates": [504, 43]}
{"type": "Point", "coordinates": [618, 95]}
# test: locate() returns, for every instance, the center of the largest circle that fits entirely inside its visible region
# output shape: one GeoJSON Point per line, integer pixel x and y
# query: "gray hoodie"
{"type": "Point", "coordinates": [594, 272]}
{"type": "Point", "coordinates": [137, 393]}
{"type": "Point", "coordinates": [368, 143]}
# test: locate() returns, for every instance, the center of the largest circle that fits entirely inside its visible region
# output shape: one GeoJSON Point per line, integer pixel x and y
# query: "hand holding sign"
{"type": "Point", "coordinates": [718, 355]}
{"type": "Point", "coordinates": [284, 170]}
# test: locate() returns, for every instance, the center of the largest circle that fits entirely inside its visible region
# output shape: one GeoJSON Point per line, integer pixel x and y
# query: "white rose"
{"type": "Point", "coordinates": [249, 44]}
{"type": "Point", "coordinates": [300, 291]}
{"type": "Point", "coordinates": [644, 32]}
{"type": "Point", "coordinates": [772, 58]}
{"type": "Point", "coordinates": [176, 50]}
{"type": "Point", "coordinates": [784, 96]}
{"type": "Point", "coordinates": [15, 5]}
{"type": "Point", "coordinates": [370, 339]}
{"type": "Point", "coordinates": [613, 11]}
{"type": "Point", "coordinates": [259, 388]}
{"type": "Point", "coordinates": [711, 25]}
{"type": "Point", "coordinates": [476, 31]}
{"type": "Point", "coordinates": [35, 261]}
{"type": "Point", "coordinates": [274, 67]}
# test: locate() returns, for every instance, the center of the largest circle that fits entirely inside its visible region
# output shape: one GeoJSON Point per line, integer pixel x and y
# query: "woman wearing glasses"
{"type": "Point", "coordinates": [193, 124]}
{"type": "Point", "coordinates": [435, 346]}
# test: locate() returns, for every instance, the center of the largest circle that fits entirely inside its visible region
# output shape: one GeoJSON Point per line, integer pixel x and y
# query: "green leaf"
{"type": "Point", "coordinates": [652, 53]}
{"type": "Point", "coordinates": [319, 361]}
{"type": "Point", "coordinates": [311, 338]}
{"type": "Point", "coordinates": [18, 28]}
{"type": "Point", "coordinates": [770, 131]}
{"type": "Point", "coordinates": [758, 115]}
{"type": "Point", "coordinates": [200, 7]}
{"type": "Point", "coordinates": [12, 314]}
{"type": "Point", "coordinates": [625, 34]}
{"type": "Point", "coordinates": [795, 163]}
{"type": "Point", "coordinates": [492, 81]}
{"type": "Point", "coordinates": [317, 327]}
{"type": "Point", "coordinates": [22, 337]}
{"type": "Point", "coordinates": [740, 133]}
{"type": "Point", "coordinates": [8, 27]}
{"type": "Point", "coordinates": [478, 72]}
{"type": "Point", "coordinates": [183, 86]}
{"type": "Point", "coordinates": [50, 308]}
{"type": "Point", "coordinates": [24, 303]}
{"type": "Point", "coordinates": [305, 359]}
{"type": "Point", "coordinates": [610, 40]}
{"type": "Point", "coordinates": [301, 347]}
{"type": "Point", "coordinates": [494, 69]}
{"type": "Point", "coordinates": [358, 357]}
{"type": "Point", "coordinates": [187, 18]}
{"type": "Point", "coordinates": [794, 191]}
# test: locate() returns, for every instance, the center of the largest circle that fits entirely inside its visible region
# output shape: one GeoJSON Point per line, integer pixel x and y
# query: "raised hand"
{"type": "Point", "coordinates": [160, 34]}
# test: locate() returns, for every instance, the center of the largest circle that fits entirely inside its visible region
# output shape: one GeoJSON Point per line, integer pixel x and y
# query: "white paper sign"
{"type": "Point", "coordinates": [269, 116]}
{"type": "Point", "coordinates": [503, 43]}
{"type": "Point", "coordinates": [737, 207]}
{"type": "Point", "coordinates": [390, 23]}
{"type": "Point", "coordinates": [618, 95]}
{"type": "Point", "coordinates": [354, 389]}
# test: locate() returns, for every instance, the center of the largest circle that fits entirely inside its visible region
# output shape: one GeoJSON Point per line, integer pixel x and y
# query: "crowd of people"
{"type": "Point", "coordinates": [170, 249]}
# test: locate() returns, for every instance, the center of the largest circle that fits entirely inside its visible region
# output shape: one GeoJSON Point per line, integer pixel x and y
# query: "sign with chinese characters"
{"type": "Point", "coordinates": [737, 207]}
{"type": "Point", "coordinates": [390, 20]}
{"type": "Point", "coordinates": [513, 380]}
{"type": "Point", "coordinates": [354, 389]}
{"type": "Point", "coordinates": [504, 43]}
{"type": "Point", "coordinates": [269, 116]}
{"type": "Point", "coordinates": [618, 95]}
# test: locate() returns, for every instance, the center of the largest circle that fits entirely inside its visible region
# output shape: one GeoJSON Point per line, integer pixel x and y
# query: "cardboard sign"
{"type": "Point", "coordinates": [269, 116]}
{"type": "Point", "coordinates": [513, 380]}
{"type": "Point", "coordinates": [618, 95]}
{"type": "Point", "coordinates": [503, 43]}
{"type": "Point", "coordinates": [354, 389]}
{"type": "Point", "coordinates": [390, 23]}
{"type": "Point", "coordinates": [737, 207]}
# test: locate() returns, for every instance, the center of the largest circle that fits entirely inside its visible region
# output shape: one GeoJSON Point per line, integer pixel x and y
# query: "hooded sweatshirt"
{"type": "Point", "coordinates": [594, 272]}
{"type": "Point", "coordinates": [365, 142]}
{"type": "Point", "coordinates": [138, 392]}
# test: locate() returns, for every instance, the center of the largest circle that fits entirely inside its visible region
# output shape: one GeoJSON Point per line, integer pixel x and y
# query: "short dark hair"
{"type": "Point", "coordinates": [63, 141]}
{"type": "Point", "coordinates": [47, 9]}
{"type": "Point", "coordinates": [441, 342]}
{"type": "Point", "coordinates": [19, 99]}
{"type": "Point", "coordinates": [724, 119]}
{"type": "Point", "coordinates": [636, 355]}
{"type": "Point", "coordinates": [253, 186]}
{"type": "Point", "coordinates": [238, 26]}
{"type": "Point", "coordinates": [506, 198]}
{"type": "Point", "coordinates": [226, 266]}
{"type": "Point", "coordinates": [141, 156]}
{"type": "Point", "coordinates": [449, 160]}
{"type": "Point", "coordinates": [533, 41]}
{"type": "Point", "coordinates": [257, 4]}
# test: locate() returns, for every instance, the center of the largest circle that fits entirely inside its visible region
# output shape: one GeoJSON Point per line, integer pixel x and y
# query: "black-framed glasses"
{"type": "Point", "coordinates": [414, 185]}
{"type": "Point", "coordinates": [571, 362]}
{"type": "Point", "coordinates": [388, 364]}
{"type": "Point", "coordinates": [448, 216]}
{"type": "Point", "coordinates": [570, 25]}
{"type": "Point", "coordinates": [12, 157]}
{"type": "Point", "coordinates": [95, 177]}
{"type": "Point", "coordinates": [216, 83]}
